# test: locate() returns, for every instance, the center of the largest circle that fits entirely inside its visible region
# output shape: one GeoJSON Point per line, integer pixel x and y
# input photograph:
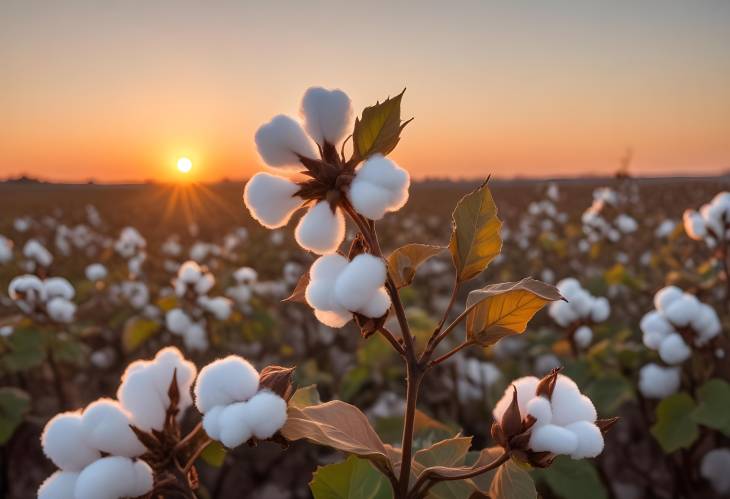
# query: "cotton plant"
{"type": "Point", "coordinates": [362, 285]}
{"type": "Point", "coordinates": [131, 246]}
{"type": "Point", "coordinates": [37, 257]}
{"type": "Point", "coordinates": [133, 445]}
{"type": "Point", "coordinates": [310, 171]}
{"type": "Point", "coordinates": [579, 312]}
{"type": "Point", "coordinates": [195, 307]}
{"type": "Point", "coordinates": [44, 300]}
{"type": "Point", "coordinates": [603, 220]}
{"type": "Point", "coordinates": [242, 291]}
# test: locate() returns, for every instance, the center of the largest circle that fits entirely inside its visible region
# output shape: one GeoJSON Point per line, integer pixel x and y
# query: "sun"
{"type": "Point", "coordinates": [184, 165]}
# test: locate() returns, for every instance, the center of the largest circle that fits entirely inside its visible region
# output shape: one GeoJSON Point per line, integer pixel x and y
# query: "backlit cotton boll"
{"type": "Point", "coordinates": [657, 382]}
{"type": "Point", "coordinates": [281, 141]}
{"type": "Point", "coordinates": [327, 115]}
{"type": "Point", "coordinates": [105, 426]}
{"type": "Point", "coordinates": [379, 186]}
{"type": "Point", "coordinates": [271, 199]}
{"type": "Point", "coordinates": [144, 387]}
{"type": "Point", "coordinates": [694, 225]}
{"type": "Point", "coordinates": [224, 381]}
{"type": "Point", "coordinates": [63, 443]}
{"type": "Point", "coordinates": [321, 230]}
{"type": "Point", "coordinates": [114, 477]}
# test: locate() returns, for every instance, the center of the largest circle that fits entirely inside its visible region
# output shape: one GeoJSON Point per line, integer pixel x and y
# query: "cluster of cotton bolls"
{"type": "Point", "coordinates": [598, 224]}
{"type": "Point", "coordinates": [6, 250]}
{"type": "Point", "coordinates": [95, 449]}
{"type": "Point", "coordinates": [475, 377]}
{"type": "Point", "coordinates": [188, 321]}
{"type": "Point", "coordinates": [339, 288]}
{"type": "Point", "coordinates": [131, 246]}
{"type": "Point", "coordinates": [711, 222]}
{"type": "Point", "coordinates": [202, 251]}
{"type": "Point", "coordinates": [679, 321]}
{"type": "Point", "coordinates": [565, 423]}
{"type": "Point", "coordinates": [234, 407]}
{"type": "Point", "coordinates": [581, 310]}
{"type": "Point", "coordinates": [80, 237]}
{"type": "Point", "coordinates": [135, 293]}
{"type": "Point", "coordinates": [37, 256]}
{"type": "Point", "coordinates": [242, 291]}
{"type": "Point", "coordinates": [50, 297]}
{"type": "Point", "coordinates": [376, 187]}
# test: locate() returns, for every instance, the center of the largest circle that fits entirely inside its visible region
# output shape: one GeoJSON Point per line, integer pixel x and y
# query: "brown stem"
{"type": "Point", "coordinates": [413, 382]}
{"type": "Point", "coordinates": [385, 332]}
{"type": "Point", "coordinates": [454, 350]}
{"type": "Point", "coordinates": [431, 476]}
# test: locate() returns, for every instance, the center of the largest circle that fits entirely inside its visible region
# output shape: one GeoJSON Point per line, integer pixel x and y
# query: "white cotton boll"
{"type": "Point", "coordinates": [321, 230]}
{"type": "Point", "coordinates": [562, 313]}
{"type": "Point", "coordinates": [655, 328]}
{"type": "Point", "coordinates": [233, 421]}
{"type": "Point", "coordinates": [328, 267]}
{"type": "Point", "coordinates": [358, 282]}
{"type": "Point", "coordinates": [266, 414]}
{"type": "Point", "coordinates": [714, 467]}
{"type": "Point", "coordinates": [114, 477]}
{"type": "Point", "coordinates": [626, 224]}
{"type": "Point", "coordinates": [271, 199]}
{"type": "Point", "coordinates": [694, 225]}
{"type": "Point", "coordinates": [553, 438]}
{"type": "Point", "coordinates": [105, 426]}
{"type": "Point", "coordinates": [379, 186]}
{"type": "Point", "coordinates": [569, 405]}
{"type": "Point", "coordinates": [205, 284]}
{"type": "Point", "coordinates": [195, 338]}
{"type": "Point", "coordinates": [189, 272]}
{"type": "Point", "coordinates": [327, 114]}
{"type": "Point", "coordinates": [333, 318]}
{"type": "Point", "coordinates": [6, 250]}
{"type": "Point", "coordinates": [60, 485]}
{"type": "Point", "coordinates": [61, 310]}
{"type": "Point", "coordinates": [583, 336]}
{"type": "Point", "coordinates": [33, 250]}
{"type": "Point", "coordinates": [581, 302]}
{"type": "Point", "coordinates": [706, 324]}
{"type": "Point", "coordinates": [29, 286]}
{"type": "Point", "coordinates": [600, 309]}
{"type": "Point", "coordinates": [526, 387]}
{"type": "Point", "coordinates": [220, 307]}
{"type": "Point", "coordinates": [227, 380]}
{"type": "Point", "coordinates": [378, 305]}
{"type": "Point", "coordinates": [666, 296]}
{"type": "Point", "coordinates": [58, 287]}
{"type": "Point", "coordinates": [211, 422]}
{"type": "Point", "coordinates": [658, 382]}
{"type": "Point", "coordinates": [241, 294]}
{"type": "Point", "coordinates": [673, 349]}
{"type": "Point", "coordinates": [590, 439]}
{"type": "Point", "coordinates": [245, 275]}
{"type": "Point", "coordinates": [540, 409]}
{"type": "Point", "coordinates": [63, 442]}
{"type": "Point", "coordinates": [95, 272]}
{"type": "Point", "coordinates": [177, 321]}
{"type": "Point", "coordinates": [281, 140]}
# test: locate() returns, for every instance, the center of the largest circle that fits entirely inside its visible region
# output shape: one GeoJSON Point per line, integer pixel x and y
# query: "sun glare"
{"type": "Point", "coordinates": [184, 165]}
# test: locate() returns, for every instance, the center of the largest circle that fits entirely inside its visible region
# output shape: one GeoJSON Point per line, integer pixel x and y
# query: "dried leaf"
{"type": "Point", "coordinates": [297, 295]}
{"type": "Point", "coordinates": [277, 379]}
{"type": "Point", "coordinates": [403, 262]}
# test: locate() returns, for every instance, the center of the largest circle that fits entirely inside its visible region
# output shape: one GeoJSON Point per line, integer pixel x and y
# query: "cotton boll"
{"type": "Point", "coordinates": [327, 114]}
{"type": "Point", "coordinates": [626, 224]}
{"type": "Point", "coordinates": [195, 338]}
{"type": "Point", "coordinates": [582, 302]}
{"type": "Point", "coordinates": [266, 414]}
{"type": "Point", "coordinates": [205, 283]}
{"type": "Point", "coordinates": [694, 225]}
{"type": "Point", "coordinates": [189, 272]}
{"type": "Point", "coordinates": [227, 380]}
{"type": "Point", "coordinates": [569, 405]}
{"type": "Point", "coordinates": [583, 336]}
{"type": "Point", "coordinates": [177, 321]}
{"type": "Point", "coordinates": [245, 275]}
{"type": "Point", "coordinates": [281, 140]}
{"type": "Point", "coordinates": [220, 307]}
{"type": "Point", "coordinates": [114, 477]}
{"type": "Point", "coordinates": [568, 286]}
{"type": "Point", "coordinates": [58, 287]}
{"type": "Point", "coordinates": [211, 422]}
{"type": "Point", "coordinates": [63, 442]}
{"type": "Point", "coordinates": [105, 425]}
{"type": "Point", "coordinates": [380, 186]}
{"type": "Point", "coordinates": [562, 313]}
{"type": "Point", "coordinates": [540, 409]}
{"type": "Point", "coordinates": [658, 382]}
{"type": "Point", "coordinates": [553, 438]}
{"type": "Point", "coordinates": [271, 199]}
{"type": "Point", "coordinates": [333, 318]}
{"type": "Point", "coordinates": [95, 272]}
{"type": "Point", "coordinates": [706, 324]}
{"type": "Point", "coordinates": [323, 274]}
{"type": "Point", "coordinates": [526, 387]}
{"type": "Point", "coordinates": [590, 439]}
{"type": "Point", "coordinates": [33, 250]}
{"type": "Point", "coordinates": [60, 485]}
{"type": "Point", "coordinates": [666, 296]}
{"type": "Point", "coordinates": [378, 305]}
{"type": "Point", "coordinates": [61, 310]}
{"type": "Point", "coordinates": [655, 328]}
{"type": "Point", "coordinates": [600, 309]}
{"type": "Point", "coordinates": [233, 421]}
{"type": "Point", "coordinates": [673, 350]}
{"type": "Point", "coordinates": [321, 230]}
{"type": "Point", "coordinates": [328, 267]}
{"type": "Point", "coordinates": [714, 467]}
{"type": "Point", "coordinates": [358, 282]}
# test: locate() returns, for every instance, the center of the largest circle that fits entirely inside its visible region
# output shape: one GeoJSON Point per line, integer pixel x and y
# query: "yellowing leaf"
{"type": "Point", "coordinates": [404, 261]}
{"type": "Point", "coordinates": [475, 237]}
{"type": "Point", "coordinates": [137, 330]}
{"type": "Point", "coordinates": [500, 310]}
{"type": "Point", "coordinates": [378, 130]}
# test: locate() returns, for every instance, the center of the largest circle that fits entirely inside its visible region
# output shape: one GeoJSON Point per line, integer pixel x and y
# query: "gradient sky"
{"type": "Point", "coordinates": [118, 90]}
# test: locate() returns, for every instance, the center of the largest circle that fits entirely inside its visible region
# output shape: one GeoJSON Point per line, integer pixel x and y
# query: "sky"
{"type": "Point", "coordinates": [119, 90]}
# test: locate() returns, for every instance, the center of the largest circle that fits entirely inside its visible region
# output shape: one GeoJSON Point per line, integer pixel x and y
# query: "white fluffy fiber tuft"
{"type": "Point", "coordinates": [105, 426]}
{"type": "Point", "coordinates": [714, 467]}
{"type": "Point", "coordinates": [327, 114]}
{"type": "Point", "coordinates": [321, 230]}
{"type": "Point", "coordinates": [114, 477]}
{"type": "Point", "coordinates": [225, 381]}
{"type": "Point", "coordinates": [380, 186]}
{"type": "Point", "coordinates": [271, 199]}
{"type": "Point", "coordinates": [60, 485]}
{"type": "Point", "coordinates": [657, 382]}
{"type": "Point", "coordinates": [280, 140]}
{"type": "Point", "coordinates": [581, 305]}
{"type": "Point", "coordinates": [63, 442]}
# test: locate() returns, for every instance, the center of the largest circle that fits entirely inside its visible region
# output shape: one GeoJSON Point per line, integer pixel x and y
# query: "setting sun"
{"type": "Point", "coordinates": [184, 165]}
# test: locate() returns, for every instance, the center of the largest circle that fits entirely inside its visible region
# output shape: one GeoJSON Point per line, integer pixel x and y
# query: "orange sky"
{"type": "Point", "coordinates": [118, 91]}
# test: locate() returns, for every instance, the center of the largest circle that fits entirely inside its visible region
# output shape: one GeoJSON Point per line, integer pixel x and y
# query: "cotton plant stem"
{"type": "Point", "coordinates": [451, 352]}
{"type": "Point", "coordinates": [430, 476]}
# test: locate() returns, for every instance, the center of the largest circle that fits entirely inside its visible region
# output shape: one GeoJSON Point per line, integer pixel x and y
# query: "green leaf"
{"type": "Point", "coordinates": [500, 310]}
{"type": "Point", "coordinates": [675, 428]}
{"type": "Point", "coordinates": [609, 393]}
{"type": "Point", "coordinates": [137, 330]}
{"type": "Point", "coordinates": [511, 481]}
{"type": "Point", "coordinates": [305, 396]}
{"type": "Point", "coordinates": [214, 454]}
{"type": "Point", "coordinates": [475, 237]}
{"type": "Point", "coordinates": [14, 405]}
{"type": "Point", "coordinates": [449, 453]}
{"type": "Point", "coordinates": [26, 350]}
{"type": "Point", "coordinates": [351, 479]}
{"type": "Point", "coordinates": [378, 130]}
{"type": "Point", "coordinates": [573, 479]}
{"type": "Point", "coordinates": [403, 262]}
{"type": "Point", "coordinates": [713, 409]}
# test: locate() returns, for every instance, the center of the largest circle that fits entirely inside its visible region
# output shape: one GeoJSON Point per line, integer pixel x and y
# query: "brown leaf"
{"type": "Point", "coordinates": [297, 295]}
{"type": "Point", "coordinates": [511, 419]}
{"type": "Point", "coordinates": [278, 379]}
{"type": "Point", "coordinates": [403, 262]}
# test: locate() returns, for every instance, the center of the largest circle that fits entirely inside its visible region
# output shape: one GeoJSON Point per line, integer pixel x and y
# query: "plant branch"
{"type": "Point", "coordinates": [451, 352]}
{"type": "Point", "coordinates": [431, 476]}
{"type": "Point", "coordinates": [385, 332]}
